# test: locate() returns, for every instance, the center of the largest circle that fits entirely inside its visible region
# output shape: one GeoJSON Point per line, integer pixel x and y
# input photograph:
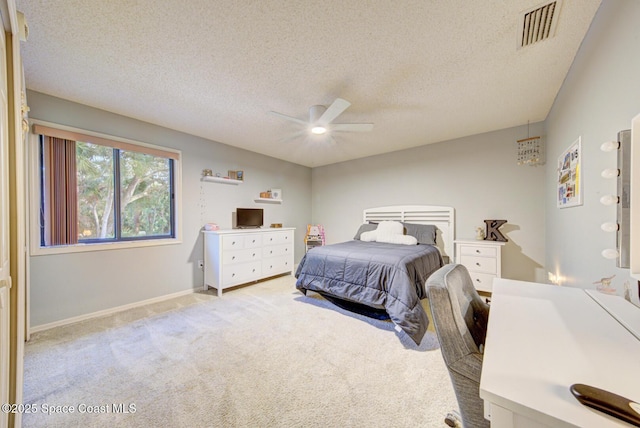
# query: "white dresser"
{"type": "Point", "coordinates": [238, 256]}
{"type": "Point", "coordinates": [483, 260]}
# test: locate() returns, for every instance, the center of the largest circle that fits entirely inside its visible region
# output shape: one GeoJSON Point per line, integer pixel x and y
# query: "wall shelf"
{"type": "Point", "coordinates": [221, 180]}
{"type": "Point", "coordinates": [268, 200]}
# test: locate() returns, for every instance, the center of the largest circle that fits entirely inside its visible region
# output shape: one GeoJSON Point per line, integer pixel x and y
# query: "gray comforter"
{"type": "Point", "coordinates": [383, 276]}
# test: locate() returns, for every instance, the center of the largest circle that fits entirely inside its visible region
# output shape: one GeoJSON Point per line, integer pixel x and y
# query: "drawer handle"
{"type": "Point", "coordinates": [478, 251]}
{"type": "Point", "coordinates": [233, 257]}
{"type": "Point", "coordinates": [271, 252]}
{"type": "Point", "coordinates": [233, 274]}
{"type": "Point", "coordinates": [478, 280]}
{"type": "Point", "coordinates": [477, 264]}
{"type": "Point", "coordinates": [253, 241]}
{"type": "Point", "coordinates": [254, 254]}
{"type": "Point", "coordinates": [270, 266]}
{"type": "Point", "coordinates": [233, 243]}
{"type": "Point", "coordinates": [253, 270]}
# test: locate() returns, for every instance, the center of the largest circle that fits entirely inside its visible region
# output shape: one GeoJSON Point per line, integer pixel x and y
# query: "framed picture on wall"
{"type": "Point", "coordinates": [569, 176]}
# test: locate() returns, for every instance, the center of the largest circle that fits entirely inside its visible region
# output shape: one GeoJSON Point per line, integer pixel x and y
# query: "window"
{"type": "Point", "coordinates": [95, 190]}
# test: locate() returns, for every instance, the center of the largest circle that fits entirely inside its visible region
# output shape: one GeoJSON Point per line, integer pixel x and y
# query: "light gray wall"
{"type": "Point", "coordinates": [69, 285]}
{"type": "Point", "coordinates": [599, 97]}
{"type": "Point", "coordinates": [477, 175]}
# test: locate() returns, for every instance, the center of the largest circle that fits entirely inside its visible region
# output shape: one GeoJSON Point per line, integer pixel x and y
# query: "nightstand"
{"type": "Point", "coordinates": [483, 260]}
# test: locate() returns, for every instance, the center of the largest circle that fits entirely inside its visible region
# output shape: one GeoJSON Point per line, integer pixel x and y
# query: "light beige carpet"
{"type": "Point", "coordinates": [260, 356]}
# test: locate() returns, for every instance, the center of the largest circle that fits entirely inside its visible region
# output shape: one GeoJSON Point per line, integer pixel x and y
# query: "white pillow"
{"type": "Point", "coordinates": [391, 232]}
{"type": "Point", "coordinates": [398, 239]}
{"type": "Point", "coordinates": [369, 236]}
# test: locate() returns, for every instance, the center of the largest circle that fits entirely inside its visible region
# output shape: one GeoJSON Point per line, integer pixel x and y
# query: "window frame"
{"type": "Point", "coordinates": [36, 248]}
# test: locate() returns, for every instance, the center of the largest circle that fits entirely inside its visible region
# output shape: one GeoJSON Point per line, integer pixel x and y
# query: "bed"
{"type": "Point", "coordinates": [383, 279]}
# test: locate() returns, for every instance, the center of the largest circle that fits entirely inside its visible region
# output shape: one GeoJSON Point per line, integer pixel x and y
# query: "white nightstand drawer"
{"type": "Point", "coordinates": [482, 281]}
{"type": "Point", "coordinates": [471, 250]}
{"type": "Point", "coordinates": [480, 264]}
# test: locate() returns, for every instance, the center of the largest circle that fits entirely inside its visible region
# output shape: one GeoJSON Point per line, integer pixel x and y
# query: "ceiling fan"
{"type": "Point", "coordinates": [321, 117]}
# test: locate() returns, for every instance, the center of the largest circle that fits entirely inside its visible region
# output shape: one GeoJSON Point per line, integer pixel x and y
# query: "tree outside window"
{"type": "Point", "coordinates": [122, 194]}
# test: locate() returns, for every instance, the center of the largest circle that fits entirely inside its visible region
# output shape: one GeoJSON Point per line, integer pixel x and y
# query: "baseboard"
{"type": "Point", "coordinates": [110, 311]}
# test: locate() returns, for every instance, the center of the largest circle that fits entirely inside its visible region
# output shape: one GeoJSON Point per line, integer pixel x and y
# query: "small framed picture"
{"type": "Point", "coordinates": [240, 175]}
{"type": "Point", "coordinates": [233, 175]}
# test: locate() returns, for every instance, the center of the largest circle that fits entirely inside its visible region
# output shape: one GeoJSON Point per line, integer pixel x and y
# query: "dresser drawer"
{"type": "Point", "coordinates": [241, 256]}
{"type": "Point", "coordinates": [233, 242]}
{"type": "Point", "coordinates": [472, 250]}
{"type": "Point", "coordinates": [253, 240]}
{"type": "Point", "coordinates": [277, 238]}
{"type": "Point", "coordinates": [480, 264]}
{"type": "Point", "coordinates": [277, 250]}
{"type": "Point", "coordinates": [482, 281]}
{"type": "Point", "coordinates": [241, 272]}
{"type": "Point", "coordinates": [276, 265]}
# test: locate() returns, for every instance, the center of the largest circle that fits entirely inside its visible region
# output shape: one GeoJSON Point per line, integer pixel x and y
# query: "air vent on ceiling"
{"type": "Point", "coordinates": [539, 23]}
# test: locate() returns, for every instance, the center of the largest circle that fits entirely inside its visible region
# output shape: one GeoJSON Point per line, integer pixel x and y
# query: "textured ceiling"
{"type": "Point", "coordinates": [422, 71]}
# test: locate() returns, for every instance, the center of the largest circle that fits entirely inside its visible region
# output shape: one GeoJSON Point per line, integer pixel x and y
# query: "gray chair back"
{"type": "Point", "coordinates": [460, 316]}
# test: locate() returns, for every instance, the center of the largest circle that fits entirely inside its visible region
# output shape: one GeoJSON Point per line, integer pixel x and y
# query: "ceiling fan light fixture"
{"type": "Point", "coordinates": [321, 120]}
{"type": "Point", "coordinates": [318, 130]}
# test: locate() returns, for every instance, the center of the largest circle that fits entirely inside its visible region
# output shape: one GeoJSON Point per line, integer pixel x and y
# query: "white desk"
{"type": "Point", "coordinates": [542, 339]}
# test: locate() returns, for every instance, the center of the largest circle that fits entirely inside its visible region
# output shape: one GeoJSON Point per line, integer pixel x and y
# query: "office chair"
{"type": "Point", "coordinates": [460, 317]}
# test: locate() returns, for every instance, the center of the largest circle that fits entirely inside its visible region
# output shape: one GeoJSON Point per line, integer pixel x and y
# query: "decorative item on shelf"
{"type": "Point", "coordinates": [531, 150]}
{"type": "Point", "coordinates": [479, 233]}
{"type": "Point", "coordinates": [276, 225]}
{"type": "Point", "coordinates": [493, 234]}
{"type": "Point", "coordinates": [211, 226]}
{"type": "Point", "coordinates": [265, 195]}
{"type": "Point", "coordinates": [604, 285]}
{"type": "Point", "coordinates": [276, 193]}
{"type": "Point", "coordinates": [236, 175]}
{"type": "Point", "coordinates": [207, 173]}
{"type": "Point", "coordinates": [569, 193]}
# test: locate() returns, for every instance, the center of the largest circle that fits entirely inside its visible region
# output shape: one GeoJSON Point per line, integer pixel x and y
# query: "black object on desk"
{"type": "Point", "coordinates": [607, 402]}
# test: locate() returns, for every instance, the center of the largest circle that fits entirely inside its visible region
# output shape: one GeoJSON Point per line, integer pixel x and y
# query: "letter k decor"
{"type": "Point", "coordinates": [493, 234]}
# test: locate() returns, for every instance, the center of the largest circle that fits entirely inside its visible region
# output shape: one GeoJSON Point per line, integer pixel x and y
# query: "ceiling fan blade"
{"type": "Point", "coordinates": [292, 119]}
{"type": "Point", "coordinates": [352, 127]}
{"type": "Point", "coordinates": [334, 110]}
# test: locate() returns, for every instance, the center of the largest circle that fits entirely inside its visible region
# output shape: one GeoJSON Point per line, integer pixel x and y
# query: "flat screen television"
{"type": "Point", "coordinates": [249, 218]}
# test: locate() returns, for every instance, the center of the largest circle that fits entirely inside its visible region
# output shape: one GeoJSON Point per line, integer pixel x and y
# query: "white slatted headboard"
{"type": "Point", "coordinates": [442, 217]}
